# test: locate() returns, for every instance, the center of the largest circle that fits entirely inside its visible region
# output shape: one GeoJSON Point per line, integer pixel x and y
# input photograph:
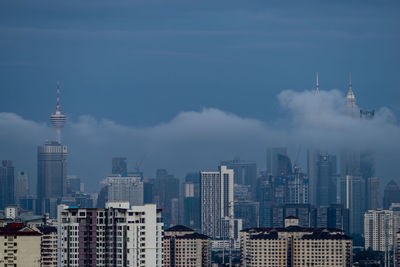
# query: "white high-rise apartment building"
{"type": "Point", "coordinates": [119, 235]}
{"type": "Point", "coordinates": [379, 230]}
{"type": "Point", "coordinates": [216, 201]}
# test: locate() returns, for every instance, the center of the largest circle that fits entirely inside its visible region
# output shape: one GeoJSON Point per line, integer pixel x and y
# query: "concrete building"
{"type": "Point", "coordinates": [379, 230]}
{"type": "Point", "coordinates": [183, 247]}
{"type": "Point", "coordinates": [118, 235]}
{"type": "Point", "coordinates": [51, 177]}
{"type": "Point", "coordinates": [125, 188]}
{"type": "Point", "coordinates": [48, 245]}
{"type": "Point", "coordinates": [216, 200]}
{"type": "Point", "coordinates": [20, 246]}
{"type": "Point", "coordinates": [295, 246]}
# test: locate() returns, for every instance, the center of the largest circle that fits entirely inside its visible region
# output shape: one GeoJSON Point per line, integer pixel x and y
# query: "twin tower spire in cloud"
{"type": "Point", "coordinates": [350, 97]}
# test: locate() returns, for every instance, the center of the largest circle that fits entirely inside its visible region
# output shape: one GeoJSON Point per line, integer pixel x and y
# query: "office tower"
{"type": "Point", "coordinates": [241, 193]}
{"type": "Point", "coordinates": [216, 189]}
{"type": "Point", "coordinates": [167, 188]}
{"type": "Point", "coordinates": [22, 186]}
{"type": "Point", "coordinates": [127, 188]}
{"type": "Point", "coordinates": [339, 217]}
{"type": "Point", "coordinates": [278, 162]}
{"type": "Point", "coordinates": [58, 119]}
{"type": "Point", "coordinates": [245, 173]}
{"type": "Point", "coordinates": [326, 180]}
{"type": "Point", "coordinates": [51, 177]}
{"type": "Point", "coordinates": [349, 163]}
{"type": "Point", "coordinates": [312, 170]}
{"type": "Point", "coordinates": [148, 190]}
{"type": "Point", "coordinates": [118, 235]}
{"type": "Point", "coordinates": [20, 245]}
{"type": "Point", "coordinates": [48, 245]}
{"type": "Point", "coordinates": [184, 247]}
{"type": "Point", "coordinates": [119, 166]}
{"type": "Point", "coordinates": [248, 212]}
{"type": "Point", "coordinates": [353, 198]}
{"type": "Point", "coordinates": [351, 101]}
{"type": "Point", "coordinates": [297, 188]}
{"type": "Point", "coordinates": [373, 196]}
{"type": "Point", "coordinates": [6, 184]}
{"type": "Point", "coordinates": [391, 194]}
{"type": "Point", "coordinates": [192, 213]}
{"type": "Point", "coordinates": [295, 246]}
{"type": "Point", "coordinates": [264, 196]}
{"type": "Point", "coordinates": [379, 230]}
{"type": "Point", "coordinates": [73, 184]}
{"type": "Point", "coordinates": [301, 211]}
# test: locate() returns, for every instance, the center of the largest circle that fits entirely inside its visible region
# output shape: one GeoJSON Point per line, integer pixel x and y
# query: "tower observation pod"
{"type": "Point", "coordinates": [58, 119]}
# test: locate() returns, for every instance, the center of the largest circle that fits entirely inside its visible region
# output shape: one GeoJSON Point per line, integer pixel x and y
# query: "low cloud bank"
{"type": "Point", "coordinates": [195, 140]}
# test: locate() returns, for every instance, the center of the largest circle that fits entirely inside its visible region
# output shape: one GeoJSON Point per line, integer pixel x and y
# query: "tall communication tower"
{"type": "Point", "coordinates": [58, 119]}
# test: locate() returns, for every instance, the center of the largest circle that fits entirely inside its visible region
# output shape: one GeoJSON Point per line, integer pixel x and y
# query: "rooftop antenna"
{"type": "Point", "coordinates": [317, 88]}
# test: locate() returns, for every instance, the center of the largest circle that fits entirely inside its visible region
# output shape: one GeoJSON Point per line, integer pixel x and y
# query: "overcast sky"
{"type": "Point", "coordinates": [147, 68]}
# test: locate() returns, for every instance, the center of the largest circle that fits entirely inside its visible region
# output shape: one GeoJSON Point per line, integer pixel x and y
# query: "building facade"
{"type": "Point", "coordinates": [216, 200]}
{"type": "Point", "coordinates": [125, 188]}
{"type": "Point", "coordinates": [183, 247]}
{"type": "Point", "coordinates": [118, 235]}
{"type": "Point", "coordinates": [48, 245]}
{"type": "Point", "coordinates": [379, 230]}
{"type": "Point", "coordinates": [51, 177]}
{"type": "Point", "coordinates": [20, 246]}
{"type": "Point", "coordinates": [295, 246]}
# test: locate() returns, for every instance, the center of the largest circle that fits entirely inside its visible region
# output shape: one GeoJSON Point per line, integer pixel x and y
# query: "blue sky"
{"type": "Point", "coordinates": [136, 66]}
{"type": "Point", "coordinates": [143, 62]}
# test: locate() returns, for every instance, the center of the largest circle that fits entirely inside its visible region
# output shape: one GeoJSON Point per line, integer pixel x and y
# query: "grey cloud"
{"type": "Point", "coordinates": [195, 140]}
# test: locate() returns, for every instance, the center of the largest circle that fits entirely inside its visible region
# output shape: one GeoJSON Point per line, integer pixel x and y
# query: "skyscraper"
{"type": "Point", "coordinates": [51, 176]}
{"type": "Point", "coordinates": [216, 200]}
{"type": "Point", "coordinates": [351, 100]}
{"type": "Point", "coordinates": [245, 173]}
{"type": "Point", "coordinates": [353, 198]}
{"type": "Point", "coordinates": [127, 188]}
{"type": "Point", "coordinates": [22, 187]}
{"type": "Point", "coordinates": [167, 189]}
{"type": "Point", "coordinates": [118, 235]}
{"type": "Point", "coordinates": [326, 180]}
{"type": "Point", "coordinates": [379, 229]}
{"type": "Point", "coordinates": [391, 194]}
{"type": "Point", "coordinates": [277, 160]}
{"type": "Point", "coordinates": [6, 184]}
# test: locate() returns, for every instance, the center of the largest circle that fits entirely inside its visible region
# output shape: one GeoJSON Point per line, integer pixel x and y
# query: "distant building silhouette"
{"type": "Point", "coordinates": [119, 166]}
{"type": "Point", "coordinates": [6, 184]}
{"type": "Point", "coordinates": [326, 180]}
{"type": "Point", "coordinates": [245, 173]}
{"type": "Point", "coordinates": [22, 186]}
{"type": "Point", "coordinates": [391, 194]}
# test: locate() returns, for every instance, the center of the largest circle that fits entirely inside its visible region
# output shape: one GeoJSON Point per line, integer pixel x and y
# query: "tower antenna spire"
{"type": "Point", "coordinates": [58, 119]}
{"type": "Point", "coordinates": [317, 86]}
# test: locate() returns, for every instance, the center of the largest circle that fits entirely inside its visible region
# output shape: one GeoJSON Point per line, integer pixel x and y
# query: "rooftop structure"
{"type": "Point", "coordinates": [58, 119]}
